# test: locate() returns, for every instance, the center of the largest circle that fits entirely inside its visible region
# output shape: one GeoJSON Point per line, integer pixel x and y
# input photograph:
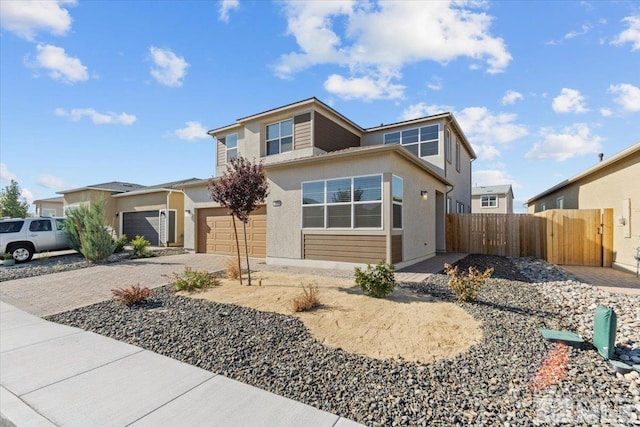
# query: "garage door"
{"type": "Point", "coordinates": [215, 232]}
{"type": "Point", "coordinates": [145, 224]}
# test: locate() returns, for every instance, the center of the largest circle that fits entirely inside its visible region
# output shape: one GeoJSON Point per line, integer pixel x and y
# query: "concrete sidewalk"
{"type": "Point", "coordinates": [56, 375]}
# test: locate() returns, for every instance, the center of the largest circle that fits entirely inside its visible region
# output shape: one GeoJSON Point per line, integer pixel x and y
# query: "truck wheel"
{"type": "Point", "coordinates": [21, 252]}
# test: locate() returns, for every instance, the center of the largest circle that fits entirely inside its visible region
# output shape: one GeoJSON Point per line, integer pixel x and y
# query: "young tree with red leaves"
{"type": "Point", "coordinates": [242, 188]}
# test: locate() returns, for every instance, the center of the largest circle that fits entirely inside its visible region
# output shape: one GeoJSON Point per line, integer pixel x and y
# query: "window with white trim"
{"type": "Point", "coordinates": [490, 201]}
{"type": "Point", "coordinates": [48, 212]}
{"type": "Point", "coordinates": [231, 142]}
{"type": "Point", "coordinates": [397, 190]}
{"type": "Point", "coordinates": [448, 204]}
{"type": "Point", "coordinates": [279, 137]}
{"type": "Point", "coordinates": [354, 202]}
{"type": "Point", "coordinates": [458, 156]}
{"type": "Point", "coordinates": [447, 145]}
{"type": "Point", "coordinates": [459, 207]}
{"type": "Point", "coordinates": [422, 141]}
{"type": "Point", "coordinates": [560, 202]}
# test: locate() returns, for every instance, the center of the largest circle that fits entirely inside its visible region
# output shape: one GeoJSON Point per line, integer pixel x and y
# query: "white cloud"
{"type": "Point", "coordinates": [576, 33]}
{"type": "Point", "coordinates": [569, 101]}
{"type": "Point", "coordinates": [27, 195]}
{"type": "Point", "coordinates": [365, 88]}
{"type": "Point", "coordinates": [435, 83]}
{"type": "Point", "coordinates": [97, 118]}
{"type": "Point", "coordinates": [511, 96]}
{"type": "Point", "coordinates": [421, 109]}
{"type": "Point", "coordinates": [49, 181]}
{"type": "Point", "coordinates": [627, 96]}
{"type": "Point", "coordinates": [498, 176]}
{"type": "Point", "coordinates": [168, 68]}
{"type": "Point", "coordinates": [5, 174]}
{"type": "Point", "coordinates": [227, 6]}
{"type": "Point", "coordinates": [26, 18]}
{"type": "Point", "coordinates": [485, 127]}
{"type": "Point", "coordinates": [193, 130]}
{"type": "Point", "coordinates": [631, 34]}
{"type": "Point", "coordinates": [570, 142]}
{"type": "Point", "coordinates": [61, 67]}
{"type": "Point", "coordinates": [606, 112]}
{"type": "Point", "coordinates": [380, 39]}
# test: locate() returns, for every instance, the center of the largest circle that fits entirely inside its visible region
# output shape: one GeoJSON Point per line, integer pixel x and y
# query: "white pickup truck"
{"type": "Point", "coordinates": [22, 237]}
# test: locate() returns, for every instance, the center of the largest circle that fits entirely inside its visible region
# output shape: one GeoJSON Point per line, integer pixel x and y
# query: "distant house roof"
{"type": "Point", "coordinates": [490, 189]}
{"type": "Point", "coordinates": [58, 199]}
{"type": "Point", "coordinates": [635, 148]}
{"type": "Point", "coordinates": [168, 186]}
{"type": "Point", "coordinates": [114, 186]}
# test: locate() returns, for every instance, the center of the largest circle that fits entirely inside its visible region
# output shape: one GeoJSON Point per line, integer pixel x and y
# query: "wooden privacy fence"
{"type": "Point", "coordinates": [560, 236]}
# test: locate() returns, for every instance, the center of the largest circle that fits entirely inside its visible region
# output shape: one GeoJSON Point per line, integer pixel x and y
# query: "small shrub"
{"type": "Point", "coordinates": [119, 243]}
{"type": "Point", "coordinates": [308, 300]}
{"type": "Point", "coordinates": [466, 286]}
{"type": "Point", "coordinates": [133, 295]}
{"type": "Point", "coordinates": [139, 245]}
{"type": "Point", "coordinates": [191, 280]}
{"type": "Point", "coordinates": [231, 268]}
{"type": "Point", "coordinates": [378, 281]}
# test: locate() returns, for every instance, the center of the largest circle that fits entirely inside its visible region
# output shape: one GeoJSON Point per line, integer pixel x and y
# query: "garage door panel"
{"type": "Point", "coordinates": [216, 235]}
{"type": "Point", "coordinates": [145, 224]}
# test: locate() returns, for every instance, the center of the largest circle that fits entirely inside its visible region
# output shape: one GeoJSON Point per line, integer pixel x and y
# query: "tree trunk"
{"type": "Point", "coordinates": [235, 232]}
{"type": "Point", "coordinates": [246, 250]}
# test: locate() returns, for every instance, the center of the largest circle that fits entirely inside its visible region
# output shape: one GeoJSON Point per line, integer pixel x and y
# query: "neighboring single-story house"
{"type": "Point", "coordinates": [492, 199]}
{"type": "Point", "coordinates": [339, 194]}
{"type": "Point", "coordinates": [153, 212]}
{"type": "Point", "coordinates": [53, 206]}
{"type": "Point", "coordinates": [611, 183]}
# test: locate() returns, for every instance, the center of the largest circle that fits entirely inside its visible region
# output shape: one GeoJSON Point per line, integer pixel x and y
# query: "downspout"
{"type": "Point", "coordinates": [167, 220]}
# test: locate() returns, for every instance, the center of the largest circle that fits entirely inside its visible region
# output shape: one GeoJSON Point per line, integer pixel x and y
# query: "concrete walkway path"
{"type": "Point", "coordinates": [56, 375]}
{"type": "Point", "coordinates": [417, 273]}
{"type": "Point", "coordinates": [606, 279]}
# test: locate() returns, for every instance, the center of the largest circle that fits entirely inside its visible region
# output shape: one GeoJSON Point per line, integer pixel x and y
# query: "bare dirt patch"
{"type": "Point", "coordinates": [405, 325]}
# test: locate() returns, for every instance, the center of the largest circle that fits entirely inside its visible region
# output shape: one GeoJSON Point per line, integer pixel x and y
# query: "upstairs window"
{"type": "Point", "coordinates": [279, 137]}
{"type": "Point", "coordinates": [490, 201]}
{"type": "Point", "coordinates": [231, 142]}
{"type": "Point", "coordinates": [421, 141]}
{"type": "Point", "coordinates": [458, 156]}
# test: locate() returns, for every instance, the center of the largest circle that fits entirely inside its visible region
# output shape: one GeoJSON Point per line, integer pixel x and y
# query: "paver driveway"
{"type": "Point", "coordinates": [58, 292]}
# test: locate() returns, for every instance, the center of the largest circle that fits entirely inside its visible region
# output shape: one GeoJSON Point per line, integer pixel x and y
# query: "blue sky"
{"type": "Point", "coordinates": [98, 91]}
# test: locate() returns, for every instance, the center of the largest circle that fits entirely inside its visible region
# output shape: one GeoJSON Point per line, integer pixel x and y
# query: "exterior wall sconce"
{"type": "Point", "coordinates": [187, 211]}
{"type": "Point", "coordinates": [117, 214]}
{"type": "Point", "coordinates": [277, 203]}
{"type": "Point", "coordinates": [424, 194]}
{"type": "Point", "coordinates": [163, 213]}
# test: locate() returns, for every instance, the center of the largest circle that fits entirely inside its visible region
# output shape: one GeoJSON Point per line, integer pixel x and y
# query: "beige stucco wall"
{"type": "Point", "coordinates": [88, 196]}
{"type": "Point", "coordinates": [608, 188]}
{"type": "Point", "coordinates": [284, 223]}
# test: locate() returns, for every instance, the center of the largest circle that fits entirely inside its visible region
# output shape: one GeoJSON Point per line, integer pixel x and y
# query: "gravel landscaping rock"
{"type": "Point", "coordinates": [490, 384]}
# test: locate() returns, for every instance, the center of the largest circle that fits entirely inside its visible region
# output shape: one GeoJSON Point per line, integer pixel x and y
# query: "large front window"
{"type": "Point", "coordinates": [279, 137]}
{"type": "Point", "coordinates": [421, 141]}
{"type": "Point", "coordinates": [354, 202]}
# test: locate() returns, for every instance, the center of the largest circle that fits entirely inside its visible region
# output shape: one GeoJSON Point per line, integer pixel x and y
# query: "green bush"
{"type": "Point", "coordinates": [87, 232]}
{"type": "Point", "coordinates": [466, 287]}
{"type": "Point", "coordinates": [118, 244]}
{"type": "Point", "coordinates": [378, 281]}
{"type": "Point", "coordinates": [190, 280]}
{"type": "Point", "coordinates": [140, 247]}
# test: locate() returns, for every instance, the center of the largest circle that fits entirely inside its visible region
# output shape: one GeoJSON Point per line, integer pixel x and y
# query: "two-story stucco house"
{"type": "Point", "coordinates": [339, 194]}
{"type": "Point", "coordinates": [492, 199]}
